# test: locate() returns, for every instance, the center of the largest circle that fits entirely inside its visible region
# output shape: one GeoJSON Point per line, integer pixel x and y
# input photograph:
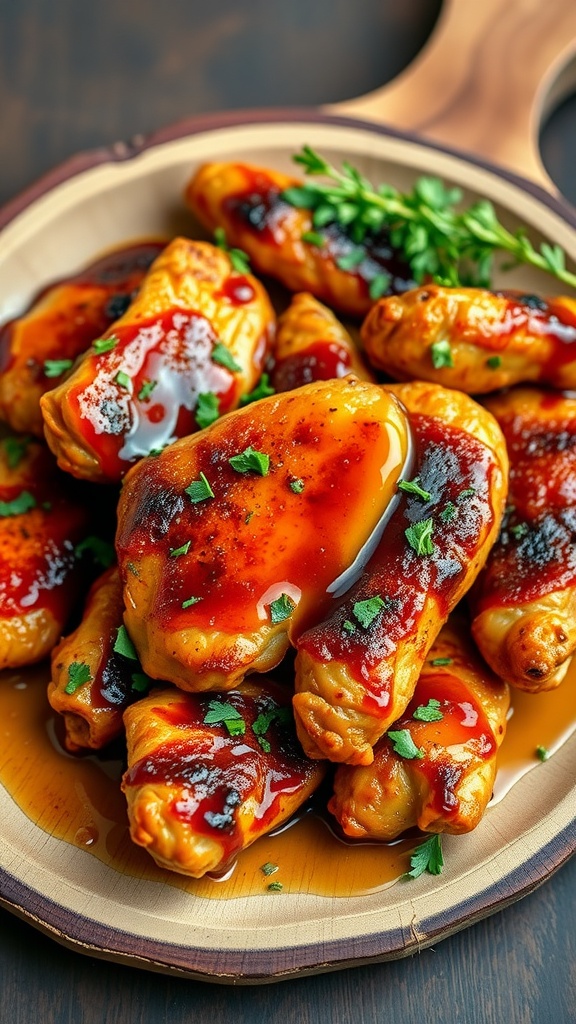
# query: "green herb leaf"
{"type": "Point", "coordinates": [123, 380]}
{"type": "Point", "coordinates": [542, 753]}
{"type": "Point", "coordinates": [427, 857]}
{"type": "Point", "coordinates": [199, 490]}
{"type": "Point", "coordinates": [429, 712]}
{"type": "Point", "coordinates": [379, 286]}
{"type": "Point", "coordinates": [493, 362]}
{"type": "Point", "coordinates": [297, 485]}
{"type": "Point", "coordinates": [441, 354]}
{"type": "Point", "coordinates": [190, 601]}
{"type": "Point", "coordinates": [403, 744]}
{"type": "Point", "coordinates": [15, 449]}
{"type": "Point", "coordinates": [17, 506]}
{"type": "Point", "coordinates": [182, 550]}
{"type": "Point", "coordinates": [238, 258]}
{"type": "Point", "coordinates": [348, 627]}
{"type": "Point", "coordinates": [146, 390]}
{"type": "Point", "coordinates": [351, 259]}
{"type": "Point", "coordinates": [223, 356]}
{"type": "Point", "coordinates": [313, 238]}
{"type": "Point", "coordinates": [469, 492]}
{"type": "Point", "coordinates": [275, 887]}
{"type": "Point", "coordinates": [123, 644]}
{"type": "Point", "coordinates": [55, 367]}
{"type": "Point", "coordinates": [207, 409]}
{"type": "Point", "coordinates": [101, 551]}
{"type": "Point", "coordinates": [437, 662]}
{"type": "Point", "coordinates": [281, 609]}
{"type": "Point", "coordinates": [251, 461]}
{"type": "Point", "coordinates": [268, 868]}
{"type": "Point", "coordinates": [78, 674]}
{"type": "Point", "coordinates": [140, 682]}
{"type": "Point", "coordinates": [419, 537]}
{"type": "Point", "coordinates": [366, 611]}
{"type": "Point", "coordinates": [413, 487]}
{"type": "Point", "coordinates": [449, 512]}
{"type": "Point", "coordinates": [519, 530]}
{"type": "Point", "coordinates": [262, 390]}
{"type": "Point", "coordinates": [223, 713]}
{"type": "Point", "coordinates": [105, 344]}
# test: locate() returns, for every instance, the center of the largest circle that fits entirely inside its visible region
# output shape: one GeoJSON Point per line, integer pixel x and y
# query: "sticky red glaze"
{"type": "Point", "coordinates": [213, 773]}
{"type": "Point", "coordinates": [260, 207]}
{"type": "Point", "coordinates": [111, 686]}
{"type": "Point", "coordinates": [448, 462]}
{"type": "Point", "coordinates": [324, 360]}
{"type": "Point", "coordinates": [464, 726]}
{"type": "Point", "coordinates": [82, 307]}
{"type": "Point", "coordinates": [174, 350]}
{"type": "Point", "coordinates": [536, 551]}
{"type": "Point", "coordinates": [237, 289]}
{"type": "Point", "coordinates": [546, 318]}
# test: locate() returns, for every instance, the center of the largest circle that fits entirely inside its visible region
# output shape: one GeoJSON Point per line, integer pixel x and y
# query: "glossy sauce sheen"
{"type": "Point", "coordinates": [324, 360]}
{"type": "Point", "coordinates": [536, 550]}
{"type": "Point", "coordinates": [547, 318]}
{"type": "Point", "coordinates": [172, 352]}
{"type": "Point", "coordinates": [81, 308]}
{"type": "Point", "coordinates": [260, 207]}
{"type": "Point", "coordinates": [78, 800]}
{"type": "Point", "coordinates": [450, 463]}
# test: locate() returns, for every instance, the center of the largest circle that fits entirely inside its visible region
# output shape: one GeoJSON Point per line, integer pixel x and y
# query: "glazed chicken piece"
{"type": "Point", "coordinates": [40, 527]}
{"type": "Point", "coordinates": [473, 339]}
{"type": "Point", "coordinates": [356, 669]}
{"type": "Point", "coordinates": [230, 540]}
{"type": "Point", "coordinates": [311, 344]}
{"type": "Point", "coordinates": [247, 202]}
{"type": "Point", "coordinates": [524, 603]}
{"type": "Point", "coordinates": [210, 773]}
{"type": "Point", "coordinates": [190, 345]}
{"type": "Point", "coordinates": [38, 348]}
{"type": "Point", "coordinates": [92, 681]}
{"type": "Point", "coordinates": [449, 737]}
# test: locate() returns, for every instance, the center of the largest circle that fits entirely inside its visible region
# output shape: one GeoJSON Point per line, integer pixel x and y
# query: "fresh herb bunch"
{"type": "Point", "coordinates": [440, 242]}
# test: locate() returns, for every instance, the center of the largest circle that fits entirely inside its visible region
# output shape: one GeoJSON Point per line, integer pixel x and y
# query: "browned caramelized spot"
{"type": "Point", "coordinates": [456, 470]}
{"type": "Point", "coordinates": [545, 318]}
{"type": "Point", "coordinates": [324, 360]}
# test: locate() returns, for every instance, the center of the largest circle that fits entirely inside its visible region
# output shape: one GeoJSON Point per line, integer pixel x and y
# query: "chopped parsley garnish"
{"type": "Point", "coordinates": [223, 356]}
{"type": "Point", "coordinates": [413, 487]}
{"type": "Point", "coordinates": [440, 661]}
{"type": "Point", "coordinates": [102, 551]}
{"type": "Point", "coordinates": [297, 486]}
{"type": "Point", "coordinates": [190, 601]}
{"type": "Point", "coordinates": [275, 887]}
{"type": "Point", "coordinates": [199, 490]}
{"type": "Point", "coordinates": [140, 682]}
{"type": "Point", "coordinates": [207, 409]}
{"type": "Point", "coordinates": [429, 712]}
{"type": "Point", "coordinates": [542, 753]}
{"type": "Point", "coordinates": [223, 713]}
{"type": "Point", "coordinates": [123, 644]}
{"type": "Point", "coordinates": [281, 608]}
{"type": "Point", "coordinates": [419, 537]}
{"type": "Point", "coordinates": [441, 354]}
{"type": "Point", "coordinates": [427, 857]}
{"type": "Point", "coordinates": [263, 389]}
{"type": "Point", "coordinates": [54, 367]}
{"type": "Point", "coordinates": [15, 448]}
{"type": "Point", "coordinates": [146, 390]}
{"type": "Point", "coordinates": [182, 550]}
{"type": "Point", "coordinates": [123, 380]}
{"type": "Point", "coordinates": [379, 286]}
{"type": "Point", "coordinates": [449, 512]}
{"type": "Point", "coordinates": [238, 258]}
{"type": "Point", "coordinates": [250, 461]}
{"type": "Point", "coordinates": [348, 626]}
{"type": "Point", "coordinates": [493, 362]}
{"type": "Point", "coordinates": [268, 868]}
{"type": "Point", "coordinates": [78, 674]}
{"type": "Point", "coordinates": [313, 238]}
{"type": "Point", "coordinates": [105, 344]}
{"type": "Point", "coordinates": [519, 531]}
{"type": "Point", "coordinates": [263, 722]}
{"type": "Point", "coordinates": [469, 492]}
{"type": "Point", "coordinates": [366, 611]}
{"type": "Point", "coordinates": [403, 744]}
{"type": "Point", "coordinates": [351, 259]}
{"type": "Point", "coordinates": [17, 506]}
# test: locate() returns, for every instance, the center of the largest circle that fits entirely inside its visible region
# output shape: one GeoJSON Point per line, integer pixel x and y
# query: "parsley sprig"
{"type": "Point", "coordinates": [438, 239]}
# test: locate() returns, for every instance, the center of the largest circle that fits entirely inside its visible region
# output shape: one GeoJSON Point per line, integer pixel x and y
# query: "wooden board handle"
{"type": "Point", "coordinates": [488, 74]}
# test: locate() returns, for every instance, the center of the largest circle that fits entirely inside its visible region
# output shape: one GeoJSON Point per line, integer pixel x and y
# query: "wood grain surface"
{"type": "Point", "coordinates": [76, 76]}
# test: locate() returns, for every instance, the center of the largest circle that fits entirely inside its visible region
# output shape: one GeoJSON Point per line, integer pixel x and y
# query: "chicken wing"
{"type": "Point", "coordinates": [448, 736]}
{"type": "Point", "coordinates": [356, 670]}
{"type": "Point", "coordinates": [39, 347]}
{"type": "Point", "coordinates": [192, 342]}
{"type": "Point", "coordinates": [210, 773]}
{"type": "Point", "coordinates": [40, 526]}
{"type": "Point", "coordinates": [230, 540]}
{"type": "Point", "coordinates": [247, 202]}
{"type": "Point", "coordinates": [311, 344]}
{"type": "Point", "coordinates": [473, 339]}
{"type": "Point", "coordinates": [524, 603]}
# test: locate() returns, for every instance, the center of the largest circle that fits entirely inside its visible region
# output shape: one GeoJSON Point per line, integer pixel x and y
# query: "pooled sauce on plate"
{"type": "Point", "coordinates": [77, 799]}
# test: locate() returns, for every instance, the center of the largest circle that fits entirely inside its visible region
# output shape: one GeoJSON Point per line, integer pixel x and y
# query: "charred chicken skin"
{"type": "Point", "coordinates": [247, 202]}
{"type": "Point", "coordinates": [210, 773]}
{"type": "Point", "coordinates": [192, 342]}
{"type": "Point", "coordinates": [449, 737]}
{"type": "Point", "coordinates": [38, 348]}
{"type": "Point", "coordinates": [92, 682]}
{"type": "Point", "coordinates": [40, 526]}
{"type": "Point", "coordinates": [524, 602]}
{"type": "Point", "coordinates": [356, 670]}
{"type": "Point", "coordinates": [473, 339]}
{"type": "Point", "coordinates": [311, 344]}
{"type": "Point", "coordinates": [232, 539]}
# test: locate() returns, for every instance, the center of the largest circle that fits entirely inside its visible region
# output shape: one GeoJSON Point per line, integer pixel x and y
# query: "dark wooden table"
{"type": "Point", "coordinates": [74, 76]}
